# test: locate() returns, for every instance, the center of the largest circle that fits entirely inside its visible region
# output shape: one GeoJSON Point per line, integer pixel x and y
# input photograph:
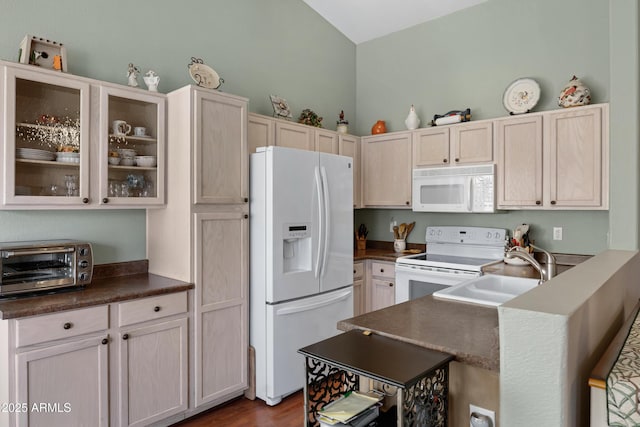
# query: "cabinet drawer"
{"type": "Point", "coordinates": [358, 270]}
{"type": "Point", "coordinates": [382, 269]}
{"type": "Point", "coordinates": [70, 323]}
{"type": "Point", "coordinates": [142, 310]}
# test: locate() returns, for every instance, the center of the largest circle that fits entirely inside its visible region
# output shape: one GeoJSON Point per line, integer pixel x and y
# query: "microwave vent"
{"type": "Point", "coordinates": [455, 171]}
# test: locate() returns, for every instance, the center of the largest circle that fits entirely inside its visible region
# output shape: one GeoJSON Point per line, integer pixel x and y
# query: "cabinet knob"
{"type": "Point", "coordinates": [553, 202]}
{"type": "Point", "coordinates": [390, 284]}
{"type": "Point", "coordinates": [125, 337]}
{"type": "Point", "coordinates": [156, 308]}
{"type": "Point", "coordinates": [457, 160]}
{"type": "Point", "coordinates": [407, 203]}
{"type": "Point", "coordinates": [67, 325]}
{"type": "Point", "coordinates": [444, 160]}
{"type": "Point", "coordinates": [538, 202]}
{"type": "Point", "coordinates": [382, 270]}
{"type": "Point", "coordinates": [246, 216]}
{"type": "Point", "coordinates": [246, 200]}
{"type": "Point", "coordinates": [105, 200]}
{"type": "Point", "coordinates": [105, 341]}
{"type": "Point", "coordinates": [354, 272]}
{"type": "Point", "coordinates": [85, 200]}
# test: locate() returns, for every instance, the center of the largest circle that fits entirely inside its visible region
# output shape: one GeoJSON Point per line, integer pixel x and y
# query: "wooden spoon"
{"type": "Point", "coordinates": [410, 227]}
{"type": "Point", "coordinates": [395, 232]}
{"type": "Point", "coordinates": [401, 230]}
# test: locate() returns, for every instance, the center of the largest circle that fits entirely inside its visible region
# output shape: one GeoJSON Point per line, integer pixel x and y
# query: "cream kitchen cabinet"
{"type": "Point", "coordinates": [349, 146]}
{"type": "Point", "coordinates": [58, 139]}
{"type": "Point", "coordinates": [386, 170]}
{"type": "Point", "coordinates": [381, 287]}
{"type": "Point", "coordinates": [294, 135]}
{"type": "Point", "coordinates": [207, 213]}
{"type": "Point", "coordinates": [260, 131]}
{"type": "Point", "coordinates": [457, 144]}
{"type": "Point", "coordinates": [553, 160]}
{"type": "Point", "coordinates": [326, 141]}
{"type": "Point", "coordinates": [152, 368]}
{"type": "Point", "coordinates": [61, 361]}
{"type": "Point", "coordinates": [359, 297]}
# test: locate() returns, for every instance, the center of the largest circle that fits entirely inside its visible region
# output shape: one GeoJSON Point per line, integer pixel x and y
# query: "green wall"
{"type": "Point", "coordinates": [259, 47]}
{"type": "Point", "coordinates": [467, 59]}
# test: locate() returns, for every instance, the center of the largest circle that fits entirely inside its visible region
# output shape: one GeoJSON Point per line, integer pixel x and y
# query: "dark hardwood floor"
{"type": "Point", "coordinates": [243, 412]}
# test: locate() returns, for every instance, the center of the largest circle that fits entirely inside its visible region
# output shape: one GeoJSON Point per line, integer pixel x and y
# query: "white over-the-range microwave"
{"type": "Point", "coordinates": [454, 189]}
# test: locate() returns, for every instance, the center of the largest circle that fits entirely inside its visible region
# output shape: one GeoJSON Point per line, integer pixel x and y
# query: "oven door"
{"type": "Point", "coordinates": [417, 281]}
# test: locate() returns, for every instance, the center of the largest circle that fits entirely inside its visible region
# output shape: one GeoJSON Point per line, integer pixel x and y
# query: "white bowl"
{"type": "Point", "coordinates": [127, 153]}
{"type": "Point", "coordinates": [146, 161]}
{"type": "Point", "coordinates": [67, 157]}
{"type": "Point", "coordinates": [126, 161]}
{"type": "Point", "coordinates": [114, 161]}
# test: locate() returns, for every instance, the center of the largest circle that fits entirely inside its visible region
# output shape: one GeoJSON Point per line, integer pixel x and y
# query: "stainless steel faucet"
{"type": "Point", "coordinates": [546, 272]}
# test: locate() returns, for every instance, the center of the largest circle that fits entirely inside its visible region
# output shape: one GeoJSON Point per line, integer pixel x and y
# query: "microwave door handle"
{"type": "Point", "coordinates": [18, 252]}
{"type": "Point", "coordinates": [470, 201]}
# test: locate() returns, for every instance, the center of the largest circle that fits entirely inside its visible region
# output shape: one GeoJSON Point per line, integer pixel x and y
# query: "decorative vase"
{"type": "Point", "coordinates": [399, 245]}
{"type": "Point", "coordinates": [379, 127]}
{"type": "Point", "coordinates": [412, 121]}
{"type": "Point", "coordinates": [574, 93]}
{"type": "Point", "coordinates": [342, 128]}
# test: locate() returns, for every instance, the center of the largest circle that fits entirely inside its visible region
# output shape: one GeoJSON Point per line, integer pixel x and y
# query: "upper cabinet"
{"type": "Point", "coordinates": [386, 170]}
{"type": "Point", "coordinates": [349, 145]}
{"type": "Point", "coordinates": [62, 148]}
{"type": "Point", "coordinates": [453, 145]}
{"type": "Point", "coordinates": [260, 131]}
{"type": "Point", "coordinates": [294, 135]}
{"type": "Point", "coordinates": [554, 160]}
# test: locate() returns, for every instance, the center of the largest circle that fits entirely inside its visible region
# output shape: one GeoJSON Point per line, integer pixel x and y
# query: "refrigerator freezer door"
{"type": "Point", "coordinates": [337, 266]}
{"type": "Point", "coordinates": [293, 210]}
{"type": "Point", "coordinates": [296, 324]}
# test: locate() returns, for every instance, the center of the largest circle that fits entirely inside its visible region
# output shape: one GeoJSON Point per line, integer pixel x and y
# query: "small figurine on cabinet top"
{"type": "Point", "coordinates": [574, 93]}
{"type": "Point", "coordinates": [132, 74]}
{"type": "Point", "coordinates": [151, 79]}
{"type": "Point", "coordinates": [342, 123]}
{"type": "Point", "coordinates": [455, 116]}
{"type": "Point", "coordinates": [308, 117]}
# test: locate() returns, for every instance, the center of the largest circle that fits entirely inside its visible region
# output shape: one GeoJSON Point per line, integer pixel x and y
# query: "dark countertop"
{"type": "Point", "coordinates": [467, 331]}
{"type": "Point", "coordinates": [103, 290]}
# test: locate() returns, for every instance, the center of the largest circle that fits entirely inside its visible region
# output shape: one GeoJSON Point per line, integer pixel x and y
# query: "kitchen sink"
{"type": "Point", "coordinates": [491, 290]}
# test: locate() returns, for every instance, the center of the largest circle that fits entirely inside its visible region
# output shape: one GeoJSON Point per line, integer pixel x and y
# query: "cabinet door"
{"type": "Point", "coordinates": [519, 162]}
{"type": "Point", "coordinates": [46, 149]}
{"type": "Point", "coordinates": [153, 372]}
{"type": "Point", "coordinates": [220, 151]}
{"type": "Point", "coordinates": [358, 297]}
{"type": "Point", "coordinates": [326, 141]}
{"type": "Point", "coordinates": [575, 143]}
{"type": "Point", "coordinates": [131, 156]}
{"type": "Point", "coordinates": [67, 383]}
{"type": "Point", "coordinates": [260, 132]}
{"type": "Point", "coordinates": [382, 293]}
{"type": "Point", "coordinates": [472, 143]}
{"type": "Point", "coordinates": [350, 146]}
{"type": "Point", "coordinates": [221, 323]}
{"type": "Point", "coordinates": [431, 147]}
{"type": "Point", "coordinates": [293, 135]}
{"type": "Point", "coordinates": [386, 170]}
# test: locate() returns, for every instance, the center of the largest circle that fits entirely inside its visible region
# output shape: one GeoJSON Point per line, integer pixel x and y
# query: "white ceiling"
{"type": "Point", "coordinates": [363, 20]}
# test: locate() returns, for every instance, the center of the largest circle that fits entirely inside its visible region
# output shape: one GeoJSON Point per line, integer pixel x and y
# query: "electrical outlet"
{"type": "Point", "coordinates": [392, 224]}
{"type": "Point", "coordinates": [557, 233]}
{"type": "Point", "coordinates": [478, 420]}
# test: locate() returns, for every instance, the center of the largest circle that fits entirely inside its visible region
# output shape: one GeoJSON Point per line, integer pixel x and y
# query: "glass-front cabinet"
{"type": "Point", "coordinates": [132, 147]}
{"type": "Point", "coordinates": [73, 142]}
{"type": "Point", "coordinates": [46, 150]}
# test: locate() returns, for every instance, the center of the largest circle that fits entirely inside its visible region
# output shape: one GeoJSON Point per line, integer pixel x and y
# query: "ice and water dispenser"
{"type": "Point", "coordinates": [296, 247]}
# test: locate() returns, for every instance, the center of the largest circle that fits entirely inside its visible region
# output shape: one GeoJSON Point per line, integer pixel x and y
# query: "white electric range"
{"type": "Point", "coordinates": [453, 255]}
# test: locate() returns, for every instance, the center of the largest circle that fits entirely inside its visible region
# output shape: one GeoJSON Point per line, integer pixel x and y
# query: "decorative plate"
{"type": "Point", "coordinates": [203, 75]}
{"type": "Point", "coordinates": [521, 96]}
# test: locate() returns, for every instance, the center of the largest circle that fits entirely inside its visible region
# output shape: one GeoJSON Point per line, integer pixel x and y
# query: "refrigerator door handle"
{"type": "Point", "coordinates": [321, 220]}
{"type": "Point", "coordinates": [327, 218]}
{"type": "Point", "coordinates": [308, 307]}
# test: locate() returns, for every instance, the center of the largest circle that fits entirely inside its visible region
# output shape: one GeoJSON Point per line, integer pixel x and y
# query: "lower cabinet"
{"type": "Point", "coordinates": [373, 285]}
{"type": "Point", "coordinates": [71, 368]}
{"type": "Point", "coordinates": [359, 297]}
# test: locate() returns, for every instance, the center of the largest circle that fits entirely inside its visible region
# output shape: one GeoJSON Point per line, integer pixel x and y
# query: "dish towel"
{"type": "Point", "coordinates": [623, 382]}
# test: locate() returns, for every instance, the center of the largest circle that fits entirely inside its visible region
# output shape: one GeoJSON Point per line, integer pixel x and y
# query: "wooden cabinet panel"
{"type": "Point", "coordinates": [326, 141]}
{"type": "Point", "coordinates": [260, 132]}
{"type": "Point", "coordinates": [472, 143]}
{"type": "Point", "coordinates": [152, 308]}
{"type": "Point", "coordinates": [73, 376]}
{"type": "Point", "coordinates": [386, 170]}
{"type": "Point", "coordinates": [575, 146]}
{"type": "Point", "coordinates": [220, 162]}
{"type": "Point", "coordinates": [153, 372]}
{"type": "Point", "coordinates": [349, 145]}
{"type": "Point", "coordinates": [431, 147]}
{"type": "Point", "coordinates": [358, 297]}
{"type": "Point", "coordinates": [293, 135]}
{"type": "Point", "coordinates": [519, 162]}
{"type": "Point", "coordinates": [382, 293]}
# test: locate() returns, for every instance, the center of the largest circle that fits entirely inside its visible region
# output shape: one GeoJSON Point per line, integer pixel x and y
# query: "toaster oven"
{"type": "Point", "coordinates": [44, 265]}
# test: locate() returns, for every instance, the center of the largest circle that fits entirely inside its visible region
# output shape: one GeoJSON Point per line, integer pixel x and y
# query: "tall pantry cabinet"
{"type": "Point", "coordinates": [202, 234]}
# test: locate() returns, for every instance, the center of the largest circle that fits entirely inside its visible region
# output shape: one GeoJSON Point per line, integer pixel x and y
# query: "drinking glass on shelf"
{"type": "Point", "coordinates": [114, 188]}
{"type": "Point", "coordinates": [124, 189]}
{"type": "Point", "coordinates": [71, 184]}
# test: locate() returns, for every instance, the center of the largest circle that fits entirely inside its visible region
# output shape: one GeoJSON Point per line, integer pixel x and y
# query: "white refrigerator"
{"type": "Point", "coordinates": [301, 260]}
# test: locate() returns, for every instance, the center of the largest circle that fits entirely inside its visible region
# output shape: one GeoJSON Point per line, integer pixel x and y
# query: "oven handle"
{"type": "Point", "coordinates": [52, 250]}
{"type": "Point", "coordinates": [434, 271]}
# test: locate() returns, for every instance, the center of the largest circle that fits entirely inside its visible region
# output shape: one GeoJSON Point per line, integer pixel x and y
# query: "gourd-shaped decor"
{"type": "Point", "coordinates": [574, 93]}
{"type": "Point", "coordinates": [412, 121]}
{"type": "Point", "coordinates": [379, 127]}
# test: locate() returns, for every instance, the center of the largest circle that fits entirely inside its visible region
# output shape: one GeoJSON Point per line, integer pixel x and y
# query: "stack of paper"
{"type": "Point", "coordinates": [354, 409]}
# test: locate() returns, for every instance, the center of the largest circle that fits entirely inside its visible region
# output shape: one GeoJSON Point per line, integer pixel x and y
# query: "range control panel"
{"type": "Point", "coordinates": [467, 235]}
